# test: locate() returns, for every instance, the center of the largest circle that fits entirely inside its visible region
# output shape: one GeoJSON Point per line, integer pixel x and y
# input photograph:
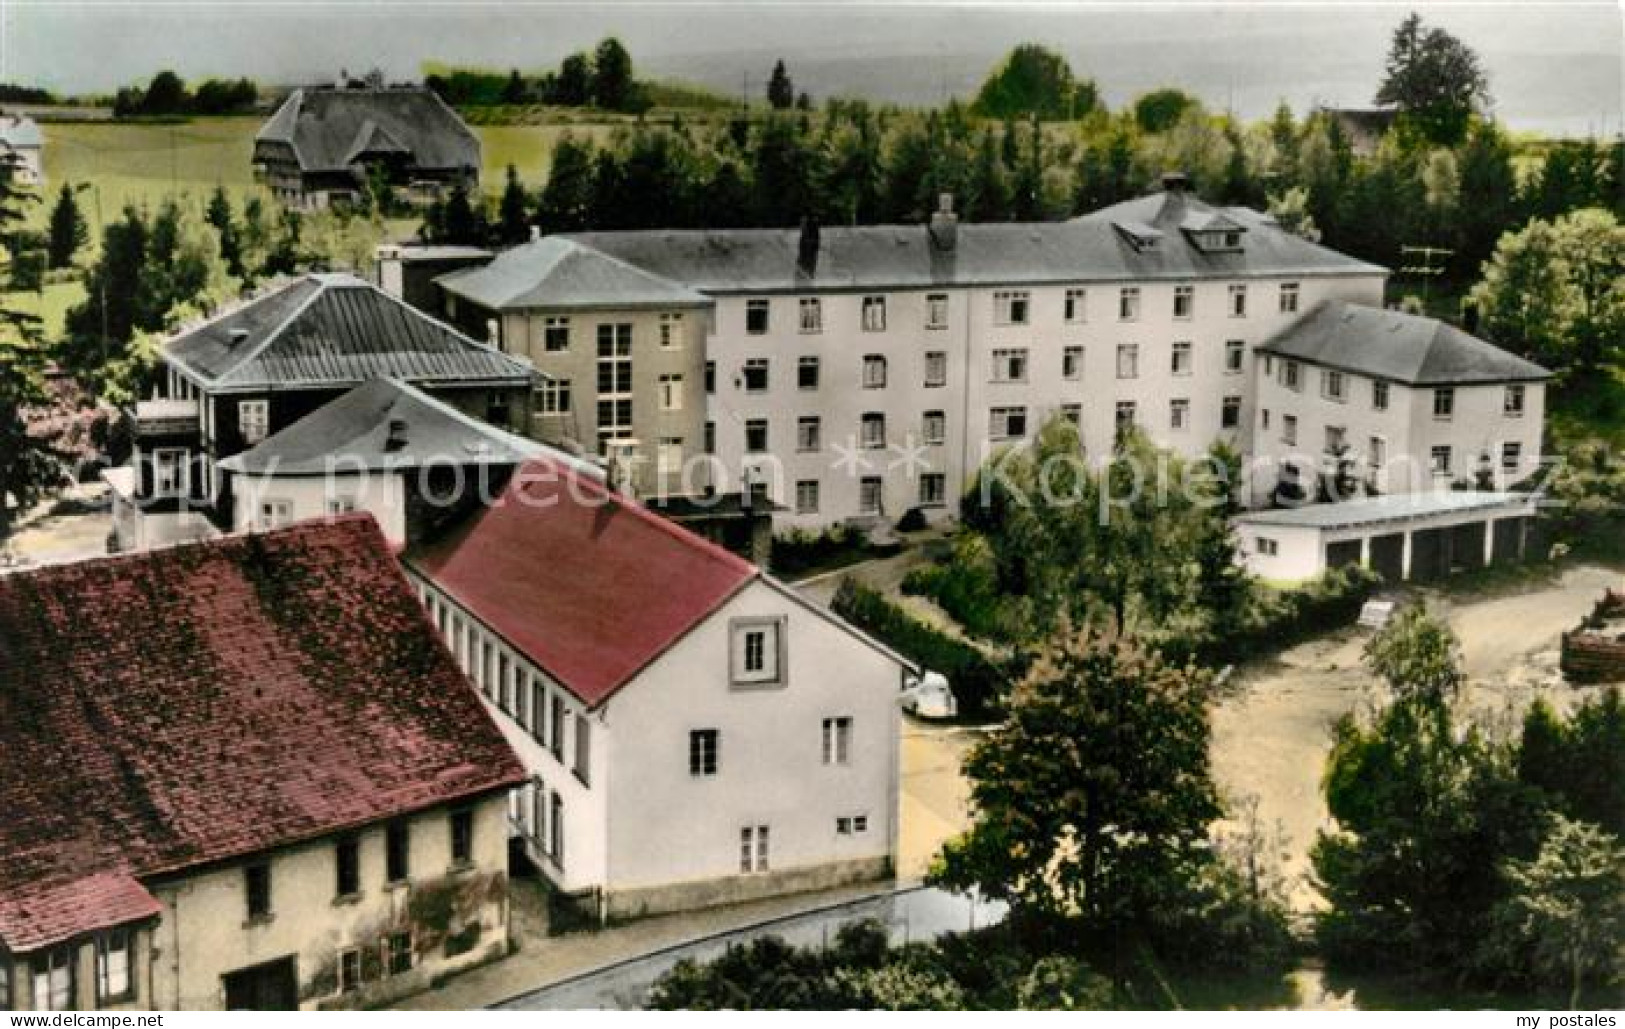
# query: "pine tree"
{"type": "Point", "coordinates": [219, 215]}
{"type": "Point", "coordinates": [514, 215]}
{"type": "Point", "coordinates": [69, 231]}
{"type": "Point", "coordinates": [781, 92]}
{"type": "Point", "coordinates": [27, 465]}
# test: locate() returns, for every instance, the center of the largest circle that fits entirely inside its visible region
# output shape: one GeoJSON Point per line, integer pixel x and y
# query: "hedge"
{"type": "Point", "coordinates": [978, 681]}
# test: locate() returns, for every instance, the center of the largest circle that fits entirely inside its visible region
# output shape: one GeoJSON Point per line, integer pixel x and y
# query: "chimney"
{"type": "Point", "coordinates": [535, 233]}
{"type": "Point", "coordinates": [807, 250]}
{"type": "Point", "coordinates": [1175, 182]}
{"type": "Point", "coordinates": [945, 224]}
{"type": "Point", "coordinates": [238, 335]}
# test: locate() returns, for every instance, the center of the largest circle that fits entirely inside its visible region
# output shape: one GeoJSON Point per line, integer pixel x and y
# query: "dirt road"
{"type": "Point", "coordinates": [1271, 735]}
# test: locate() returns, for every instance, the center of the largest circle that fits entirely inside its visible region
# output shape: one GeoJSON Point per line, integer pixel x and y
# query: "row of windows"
{"type": "Point", "coordinates": [506, 683]}
{"type": "Point", "coordinates": [705, 747]}
{"type": "Point", "coordinates": [1010, 307]}
{"type": "Point", "coordinates": [933, 492]}
{"type": "Point", "coordinates": [539, 813]}
{"type": "Point", "coordinates": [556, 332]}
{"type": "Point", "coordinates": [1334, 386]}
{"type": "Point", "coordinates": [53, 973]}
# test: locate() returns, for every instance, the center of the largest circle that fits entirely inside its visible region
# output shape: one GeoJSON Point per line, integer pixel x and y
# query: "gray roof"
{"type": "Point", "coordinates": [1399, 347]}
{"type": "Point", "coordinates": [1090, 248]}
{"type": "Point", "coordinates": [559, 272]}
{"type": "Point", "coordinates": [333, 330]}
{"type": "Point", "coordinates": [1392, 507]}
{"type": "Point", "coordinates": [329, 128]}
{"type": "Point", "coordinates": [19, 130]}
{"type": "Point", "coordinates": [383, 424]}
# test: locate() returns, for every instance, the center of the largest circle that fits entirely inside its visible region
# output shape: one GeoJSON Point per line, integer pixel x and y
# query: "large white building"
{"type": "Point", "coordinates": [695, 732]}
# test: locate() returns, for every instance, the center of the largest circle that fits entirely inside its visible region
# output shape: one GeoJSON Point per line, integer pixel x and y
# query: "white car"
{"type": "Point", "coordinates": [928, 696]}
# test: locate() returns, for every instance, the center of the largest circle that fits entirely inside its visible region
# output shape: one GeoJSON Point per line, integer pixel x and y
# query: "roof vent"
{"type": "Point", "coordinates": [945, 224]}
{"type": "Point", "coordinates": [808, 246]}
{"type": "Point", "coordinates": [238, 336]}
{"type": "Point", "coordinates": [1176, 182]}
{"type": "Point", "coordinates": [397, 434]}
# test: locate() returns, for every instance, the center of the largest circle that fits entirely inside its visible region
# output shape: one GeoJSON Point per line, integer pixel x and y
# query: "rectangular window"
{"type": "Point", "coordinates": [755, 375]}
{"type": "Point", "coordinates": [1179, 414]}
{"type": "Point", "coordinates": [669, 455]}
{"type": "Point", "coordinates": [710, 377]}
{"type": "Point", "coordinates": [1378, 453]}
{"type": "Point", "coordinates": [671, 331]}
{"type": "Point", "coordinates": [397, 956]}
{"type": "Point", "coordinates": [1379, 396]}
{"type": "Point", "coordinates": [837, 740]}
{"type": "Point", "coordinates": [812, 315]}
{"type": "Point", "coordinates": [933, 489]}
{"type": "Point", "coordinates": [347, 867]}
{"type": "Point", "coordinates": [555, 829]}
{"type": "Point", "coordinates": [807, 373]}
{"type": "Point", "coordinates": [1331, 385]}
{"type": "Point", "coordinates": [1184, 301]}
{"type": "Point", "coordinates": [1007, 422]}
{"type": "Point", "coordinates": [873, 430]}
{"type": "Point", "coordinates": [53, 979]}
{"type": "Point", "coordinates": [350, 970]}
{"type": "Point", "coordinates": [753, 849]}
{"type": "Point", "coordinates": [710, 440]}
{"type": "Point", "coordinates": [556, 335]}
{"type": "Point", "coordinates": [397, 852]}
{"type": "Point", "coordinates": [538, 711]}
{"type": "Point", "coordinates": [871, 495]}
{"type": "Point", "coordinates": [1336, 437]}
{"type": "Point", "coordinates": [756, 317]}
{"type": "Point", "coordinates": [756, 435]}
{"type": "Point", "coordinates": [874, 314]}
{"type": "Point", "coordinates": [1292, 375]}
{"type": "Point", "coordinates": [1128, 360]}
{"type": "Point", "coordinates": [671, 392]}
{"type": "Point", "coordinates": [1072, 363]}
{"type": "Point", "coordinates": [809, 434]}
{"type": "Point", "coordinates": [1125, 415]}
{"type": "Point", "coordinates": [1238, 301]}
{"type": "Point", "coordinates": [555, 741]}
{"type": "Point", "coordinates": [702, 753]}
{"type": "Point", "coordinates": [257, 888]}
{"type": "Point", "coordinates": [1289, 298]}
{"type": "Point", "coordinates": [462, 837]}
{"type": "Point", "coordinates": [583, 766]}
{"type": "Point", "coordinates": [934, 427]}
{"type": "Point", "coordinates": [1266, 546]}
{"type": "Point", "coordinates": [936, 368]}
{"type": "Point", "coordinates": [1289, 428]}
{"type": "Point", "coordinates": [1512, 403]}
{"type": "Point", "coordinates": [1076, 312]}
{"type": "Point", "coordinates": [1010, 365]}
{"type": "Point", "coordinates": [114, 983]}
{"type": "Point", "coordinates": [1011, 307]}
{"type": "Point", "coordinates": [758, 652]}
{"type": "Point", "coordinates": [614, 360]}
{"type": "Point", "coordinates": [1235, 352]}
{"type": "Point", "coordinates": [807, 496]}
{"type": "Point", "coordinates": [253, 420]}
{"type": "Point", "coordinates": [874, 372]}
{"type": "Point", "coordinates": [1182, 359]}
{"type": "Point", "coordinates": [275, 513]}
{"type": "Point", "coordinates": [1441, 460]}
{"type": "Point", "coordinates": [936, 310]}
{"type": "Point", "coordinates": [1511, 457]}
{"type": "Point", "coordinates": [1128, 304]}
{"type": "Point", "coordinates": [1230, 413]}
{"type": "Point", "coordinates": [1072, 413]}
{"type": "Point", "coordinates": [1444, 404]}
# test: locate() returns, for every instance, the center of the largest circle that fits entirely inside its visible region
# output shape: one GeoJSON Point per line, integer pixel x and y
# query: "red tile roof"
{"type": "Point", "coordinates": [165, 710]}
{"type": "Point", "coordinates": [587, 584]}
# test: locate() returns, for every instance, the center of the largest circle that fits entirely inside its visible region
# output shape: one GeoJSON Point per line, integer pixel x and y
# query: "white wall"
{"type": "Point", "coordinates": [1299, 554]}
{"type": "Point", "coordinates": [382, 494]}
{"type": "Point", "coordinates": [669, 827]}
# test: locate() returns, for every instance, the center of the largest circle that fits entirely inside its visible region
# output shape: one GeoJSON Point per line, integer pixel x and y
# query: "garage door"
{"type": "Point", "coordinates": [1430, 554]}
{"type": "Point", "coordinates": [1343, 552]}
{"type": "Point", "coordinates": [1509, 542]}
{"type": "Point", "coordinates": [1388, 556]}
{"type": "Point", "coordinates": [1467, 546]}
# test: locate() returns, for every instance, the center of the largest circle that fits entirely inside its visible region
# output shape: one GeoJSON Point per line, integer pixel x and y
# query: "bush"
{"type": "Point", "coordinates": [966, 586]}
{"type": "Point", "coordinates": [978, 682]}
{"type": "Point", "coordinates": [1277, 620]}
{"type": "Point", "coordinates": [799, 553]}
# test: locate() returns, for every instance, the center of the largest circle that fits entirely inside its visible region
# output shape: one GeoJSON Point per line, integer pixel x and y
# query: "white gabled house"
{"type": "Point", "coordinates": [696, 732]}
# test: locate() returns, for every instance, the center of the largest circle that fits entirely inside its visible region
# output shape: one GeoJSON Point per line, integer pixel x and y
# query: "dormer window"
{"type": "Point", "coordinates": [1139, 235]}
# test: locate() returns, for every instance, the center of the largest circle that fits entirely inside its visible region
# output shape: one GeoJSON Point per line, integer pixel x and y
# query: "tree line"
{"type": "Point", "coordinates": [167, 95]}
{"type": "Point", "coordinates": [602, 78]}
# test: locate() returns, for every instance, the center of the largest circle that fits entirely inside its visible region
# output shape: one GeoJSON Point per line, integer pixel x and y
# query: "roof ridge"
{"type": "Point", "coordinates": [281, 327]}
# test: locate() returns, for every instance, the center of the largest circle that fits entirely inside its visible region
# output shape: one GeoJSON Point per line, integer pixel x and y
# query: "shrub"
{"type": "Point", "coordinates": [966, 586]}
{"type": "Point", "coordinates": [978, 682]}
{"type": "Point", "coordinates": [1274, 621]}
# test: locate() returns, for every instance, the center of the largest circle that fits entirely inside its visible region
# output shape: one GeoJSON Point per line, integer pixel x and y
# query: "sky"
{"type": "Point", "coordinates": [1554, 67]}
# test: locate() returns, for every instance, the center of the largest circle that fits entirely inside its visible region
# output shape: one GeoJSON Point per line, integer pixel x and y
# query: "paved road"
{"type": "Point", "coordinates": [912, 914]}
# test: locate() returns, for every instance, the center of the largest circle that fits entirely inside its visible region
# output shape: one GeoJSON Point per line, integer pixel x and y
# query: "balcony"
{"type": "Point", "coordinates": [166, 418]}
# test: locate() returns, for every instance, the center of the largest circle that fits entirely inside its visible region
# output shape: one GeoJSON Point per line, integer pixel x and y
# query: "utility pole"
{"type": "Point", "coordinates": [1425, 267]}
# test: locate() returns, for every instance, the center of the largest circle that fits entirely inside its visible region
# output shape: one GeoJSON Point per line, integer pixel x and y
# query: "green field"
{"type": "Point", "coordinates": [144, 163]}
{"type": "Point", "coordinates": [51, 306]}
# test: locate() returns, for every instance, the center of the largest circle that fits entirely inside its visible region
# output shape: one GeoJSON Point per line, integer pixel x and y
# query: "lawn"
{"type": "Point", "coordinates": [142, 163]}
{"type": "Point", "coordinates": [51, 306]}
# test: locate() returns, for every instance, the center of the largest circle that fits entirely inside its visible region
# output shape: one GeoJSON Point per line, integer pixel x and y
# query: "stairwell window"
{"type": "Point", "coordinates": [253, 419]}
